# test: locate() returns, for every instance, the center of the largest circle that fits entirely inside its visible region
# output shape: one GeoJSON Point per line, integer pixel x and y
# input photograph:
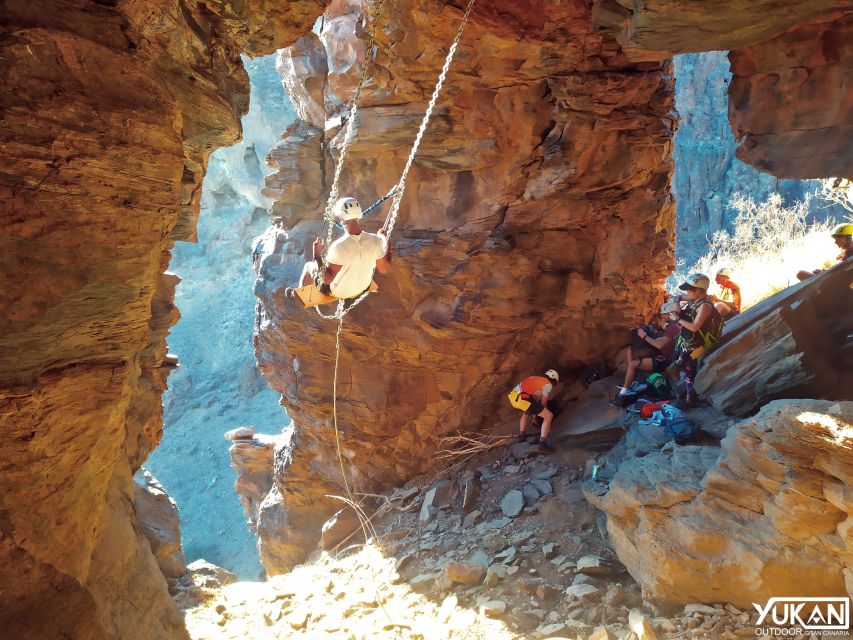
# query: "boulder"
{"type": "Point", "coordinates": [743, 522]}
{"type": "Point", "coordinates": [598, 566]}
{"type": "Point", "coordinates": [465, 572]}
{"type": "Point", "coordinates": [512, 503]}
{"type": "Point", "coordinates": [158, 516]}
{"type": "Point", "coordinates": [493, 608]}
{"type": "Point", "coordinates": [640, 625]}
{"type": "Point", "coordinates": [206, 574]}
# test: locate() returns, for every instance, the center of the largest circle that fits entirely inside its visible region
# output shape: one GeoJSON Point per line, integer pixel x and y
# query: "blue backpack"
{"type": "Point", "coordinates": [675, 424]}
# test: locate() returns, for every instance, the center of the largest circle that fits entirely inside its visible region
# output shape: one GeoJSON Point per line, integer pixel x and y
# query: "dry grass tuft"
{"type": "Point", "coordinates": [768, 245]}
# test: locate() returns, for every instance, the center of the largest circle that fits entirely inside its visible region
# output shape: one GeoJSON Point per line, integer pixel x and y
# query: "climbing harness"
{"type": "Point", "coordinates": [398, 190]}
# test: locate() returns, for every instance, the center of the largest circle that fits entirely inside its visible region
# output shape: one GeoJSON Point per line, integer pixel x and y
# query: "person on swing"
{"type": "Point", "coordinates": [351, 259]}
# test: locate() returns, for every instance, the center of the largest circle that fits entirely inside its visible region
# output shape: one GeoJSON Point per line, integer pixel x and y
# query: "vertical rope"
{"type": "Point", "coordinates": [335, 405]}
{"type": "Point", "coordinates": [401, 185]}
{"type": "Point", "coordinates": [329, 215]}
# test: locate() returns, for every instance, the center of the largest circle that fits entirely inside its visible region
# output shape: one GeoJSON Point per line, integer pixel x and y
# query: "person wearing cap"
{"type": "Point", "coordinates": [701, 326]}
{"type": "Point", "coordinates": [729, 304]}
{"type": "Point", "coordinates": [659, 338]}
{"type": "Point", "coordinates": [843, 236]}
{"type": "Point", "coordinates": [530, 396]}
{"type": "Point", "coordinates": [351, 259]}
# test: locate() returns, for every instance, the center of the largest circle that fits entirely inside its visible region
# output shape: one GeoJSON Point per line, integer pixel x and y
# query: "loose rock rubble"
{"type": "Point", "coordinates": [504, 547]}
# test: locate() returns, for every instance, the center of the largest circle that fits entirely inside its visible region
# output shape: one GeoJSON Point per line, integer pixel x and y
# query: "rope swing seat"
{"type": "Point", "coordinates": [310, 295]}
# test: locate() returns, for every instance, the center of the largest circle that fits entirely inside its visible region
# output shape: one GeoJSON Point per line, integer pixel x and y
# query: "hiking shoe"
{"type": "Point", "coordinates": [522, 437]}
{"type": "Point", "coordinates": [690, 399]}
{"type": "Point", "coordinates": [544, 445]}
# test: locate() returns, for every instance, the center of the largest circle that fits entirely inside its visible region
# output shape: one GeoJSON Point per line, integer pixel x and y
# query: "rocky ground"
{"type": "Point", "coordinates": [502, 545]}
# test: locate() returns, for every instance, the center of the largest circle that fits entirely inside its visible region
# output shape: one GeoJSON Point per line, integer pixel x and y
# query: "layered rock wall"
{"type": "Point", "coordinates": [708, 177]}
{"type": "Point", "coordinates": [536, 225]}
{"type": "Point", "coordinates": [742, 523]}
{"type": "Point", "coordinates": [789, 106]}
{"type": "Point", "coordinates": [110, 110]}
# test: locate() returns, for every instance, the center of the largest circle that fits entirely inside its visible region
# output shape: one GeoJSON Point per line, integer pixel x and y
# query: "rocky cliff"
{"type": "Point", "coordinates": [788, 104]}
{"type": "Point", "coordinates": [536, 233]}
{"type": "Point", "coordinates": [110, 110]}
{"type": "Point", "coordinates": [743, 522]}
{"type": "Point", "coordinates": [538, 202]}
{"type": "Point", "coordinates": [707, 175]}
{"type": "Point", "coordinates": [538, 220]}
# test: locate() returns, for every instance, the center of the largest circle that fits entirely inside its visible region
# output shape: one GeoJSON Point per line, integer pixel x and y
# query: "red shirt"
{"type": "Point", "coordinates": [536, 386]}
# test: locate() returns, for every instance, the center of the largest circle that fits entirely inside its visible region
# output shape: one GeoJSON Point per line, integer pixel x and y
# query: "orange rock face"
{"type": "Point", "coordinates": [110, 110]}
{"type": "Point", "coordinates": [768, 510]}
{"type": "Point", "coordinates": [792, 63]}
{"type": "Point", "coordinates": [535, 228]}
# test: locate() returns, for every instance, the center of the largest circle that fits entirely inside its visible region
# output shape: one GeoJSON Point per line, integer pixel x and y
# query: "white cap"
{"type": "Point", "coordinates": [553, 375]}
{"type": "Point", "coordinates": [696, 281]}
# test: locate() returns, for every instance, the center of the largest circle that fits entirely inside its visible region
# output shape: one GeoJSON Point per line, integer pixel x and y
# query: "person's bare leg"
{"type": "Point", "coordinates": [307, 276]}
{"type": "Point", "coordinates": [723, 308]}
{"type": "Point", "coordinates": [630, 374]}
{"type": "Point", "coordinates": [547, 418]}
{"type": "Point", "coordinates": [522, 425]}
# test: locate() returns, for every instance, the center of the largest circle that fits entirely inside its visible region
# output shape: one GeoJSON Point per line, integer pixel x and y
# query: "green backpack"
{"type": "Point", "coordinates": [659, 386]}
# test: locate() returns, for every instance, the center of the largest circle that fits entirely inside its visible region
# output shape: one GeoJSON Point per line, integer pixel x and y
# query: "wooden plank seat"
{"type": "Point", "coordinates": [310, 296]}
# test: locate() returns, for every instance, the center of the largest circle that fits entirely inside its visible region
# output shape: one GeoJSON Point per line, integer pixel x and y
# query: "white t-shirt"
{"type": "Point", "coordinates": [357, 256]}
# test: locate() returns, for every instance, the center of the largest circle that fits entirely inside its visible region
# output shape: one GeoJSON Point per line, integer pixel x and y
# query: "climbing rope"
{"type": "Point", "coordinates": [391, 219]}
{"type": "Point", "coordinates": [396, 192]}
{"type": "Point", "coordinates": [335, 404]}
{"type": "Point", "coordinates": [329, 215]}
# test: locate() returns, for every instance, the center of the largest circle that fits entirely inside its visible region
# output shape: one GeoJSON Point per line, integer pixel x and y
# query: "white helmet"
{"type": "Point", "coordinates": [725, 271]}
{"type": "Point", "coordinates": [553, 375]}
{"type": "Point", "coordinates": [347, 209]}
{"type": "Point", "coordinates": [670, 307]}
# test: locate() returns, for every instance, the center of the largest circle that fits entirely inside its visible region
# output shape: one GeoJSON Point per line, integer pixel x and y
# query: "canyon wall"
{"type": "Point", "coordinates": [535, 230]}
{"type": "Point", "coordinates": [110, 111]}
{"type": "Point", "coordinates": [537, 222]}
{"type": "Point", "coordinates": [218, 386]}
{"type": "Point", "coordinates": [789, 104]}
{"type": "Point", "coordinates": [707, 174]}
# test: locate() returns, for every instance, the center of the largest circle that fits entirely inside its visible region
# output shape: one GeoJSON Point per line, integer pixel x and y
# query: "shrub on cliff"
{"type": "Point", "coordinates": [768, 243]}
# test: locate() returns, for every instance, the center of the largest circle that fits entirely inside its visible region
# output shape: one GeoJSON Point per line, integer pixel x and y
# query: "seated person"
{"type": "Point", "coordinates": [843, 236]}
{"type": "Point", "coordinates": [652, 347]}
{"type": "Point", "coordinates": [729, 304]}
{"type": "Point", "coordinates": [351, 258]}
